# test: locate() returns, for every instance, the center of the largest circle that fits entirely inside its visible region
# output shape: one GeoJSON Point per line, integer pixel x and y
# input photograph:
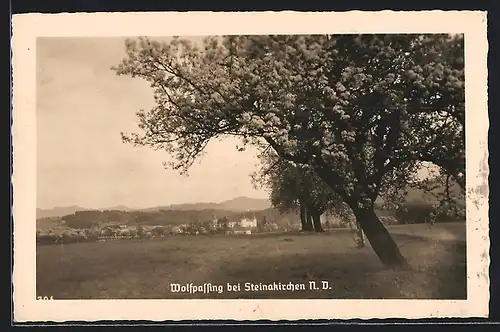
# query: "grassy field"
{"type": "Point", "coordinates": [133, 269]}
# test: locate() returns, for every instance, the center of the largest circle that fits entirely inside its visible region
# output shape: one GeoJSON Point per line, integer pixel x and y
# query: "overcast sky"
{"type": "Point", "coordinates": [82, 106]}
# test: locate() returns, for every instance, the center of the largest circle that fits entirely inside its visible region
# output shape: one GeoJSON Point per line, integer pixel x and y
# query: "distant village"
{"type": "Point", "coordinates": [80, 225]}
{"type": "Point", "coordinates": [113, 230]}
{"type": "Point", "coordinates": [75, 224]}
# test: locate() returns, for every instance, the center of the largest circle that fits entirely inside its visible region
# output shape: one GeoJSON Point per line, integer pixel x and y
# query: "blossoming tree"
{"type": "Point", "coordinates": [296, 187]}
{"type": "Point", "coordinates": [358, 109]}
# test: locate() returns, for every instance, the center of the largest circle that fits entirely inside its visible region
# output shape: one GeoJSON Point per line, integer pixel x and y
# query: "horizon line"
{"type": "Point", "coordinates": [147, 207]}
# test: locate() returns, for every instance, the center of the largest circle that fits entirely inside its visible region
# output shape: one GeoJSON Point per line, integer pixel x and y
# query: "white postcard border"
{"type": "Point", "coordinates": [27, 27]}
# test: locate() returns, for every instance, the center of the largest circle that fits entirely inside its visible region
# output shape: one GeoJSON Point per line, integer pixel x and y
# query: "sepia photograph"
{"type": "Point", "coordinates": [250, 166]}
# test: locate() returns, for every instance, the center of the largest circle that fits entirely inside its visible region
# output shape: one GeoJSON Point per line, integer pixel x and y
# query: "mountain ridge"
{"type": "Point", "coordinates": [237, 204]}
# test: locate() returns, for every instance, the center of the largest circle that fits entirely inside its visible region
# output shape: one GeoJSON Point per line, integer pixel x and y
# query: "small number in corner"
{"type": "Point", "coordinates": [44, 298]}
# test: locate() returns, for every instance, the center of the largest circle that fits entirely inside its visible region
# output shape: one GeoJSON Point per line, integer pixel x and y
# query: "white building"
{"type": "Point", "coordinates": [248, 222]}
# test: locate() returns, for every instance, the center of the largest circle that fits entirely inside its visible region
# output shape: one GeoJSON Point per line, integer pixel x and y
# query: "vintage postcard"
{"type": "Point", "coordinates": [246, 166]}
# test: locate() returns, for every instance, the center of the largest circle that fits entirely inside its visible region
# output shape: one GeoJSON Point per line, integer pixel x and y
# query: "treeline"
{"type": "Point", "coordinates": [413, 212]}
{"type": "Point", "coordinates": [89, 219]}
{"type": "Point", "coordinates": [420, 212]}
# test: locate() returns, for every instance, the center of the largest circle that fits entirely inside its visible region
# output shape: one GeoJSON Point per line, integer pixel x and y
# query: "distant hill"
{"type": "Point", "coordinates": [235, 205]}
{"type": "Point", "coordinates": [58, 211]}
{"type": "Point", "coordinates": [184, 207]}
{"type": "Point", "coordinates": [239, 204]}
{"type": "Point", "coordinates": [65, 210]}
{"type": "Point", "coordinates": [245, 204]}
{"type": "Point", "coordinates": [234, 209]}
{"type": "Point", "coordinates": [119, 208]}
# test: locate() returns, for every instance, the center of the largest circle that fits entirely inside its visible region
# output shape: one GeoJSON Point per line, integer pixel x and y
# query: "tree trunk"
{"type": "Point", "coordinates": [309, 219]}
{"type": "Point", "coordinates": [379, 238]}
{"type": "Point", "coordinates": [360, 235]}
{"type": "Point", "coordinates": [306, 226]}
{"type": "Point", "coordinates": [317, 222]}
{"type": "Point", "coordinates": [376, 233]}
{"type": "Point", "coordinates": [302, 216]}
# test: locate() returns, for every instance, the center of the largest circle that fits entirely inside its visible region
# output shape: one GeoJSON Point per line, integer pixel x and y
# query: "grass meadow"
{"type": "Point", "coordinates": [135, 269]}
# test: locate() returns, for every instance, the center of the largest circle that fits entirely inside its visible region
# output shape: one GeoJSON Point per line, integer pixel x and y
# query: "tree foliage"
{"type": "Point", "coordinates": [360, 110]}
{"type": "Point", "coordinates": [296, 187]}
